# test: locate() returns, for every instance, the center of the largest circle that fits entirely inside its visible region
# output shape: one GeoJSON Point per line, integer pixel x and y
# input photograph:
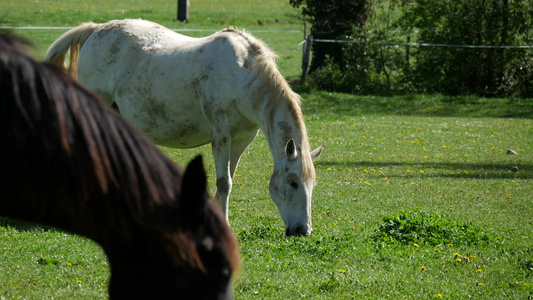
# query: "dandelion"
{"type": "Point", "coordinates": [458, 260]}
{"type": "Point", "coordinates": [450, 245]}
{"type": "Point", "coordinates": [423, 268]}
{"type": "Point", "coordinates": [79, 281]}
{"type": "Point", "coordinates": [416, 245]}
{"type": "Point", "coordinates": [341, 271]}
{"type": "Point", "coordinates": [479, 271]}
{"type": "Point", "coordinates": [480, 284]}
{"type": "Point", "coordinates": [437, 250]}
{"type": "Point", "coordinates": [456, 255]}
{"type": "Point", "coordinates": [438, 295]}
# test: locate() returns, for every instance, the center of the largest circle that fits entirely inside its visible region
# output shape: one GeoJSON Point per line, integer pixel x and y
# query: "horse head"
{"type": "Point", "coordinates": [291, 187]}
{"type": "Point", "coordinates": [196, 259]}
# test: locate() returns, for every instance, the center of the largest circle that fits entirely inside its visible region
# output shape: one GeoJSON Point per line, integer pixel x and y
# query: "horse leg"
{"type": "Point", "coordinates": [237, 149]}
{"type": "Point", "coordinates": [227, 156]}
{"type": "Point", "coordinates": [221, 147]}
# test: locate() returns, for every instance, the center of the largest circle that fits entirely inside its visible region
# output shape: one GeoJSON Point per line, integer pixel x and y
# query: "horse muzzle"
{"type": "Point", "coordinates": [297, 230]}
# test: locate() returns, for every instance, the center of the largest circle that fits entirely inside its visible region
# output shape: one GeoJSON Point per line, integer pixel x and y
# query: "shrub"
{"type": "Point", "coordinates": [375, 63]}
{"type": "Point", "coordinates": [431, 228]}
{"type": "Point", "coordinates": [483, 71]}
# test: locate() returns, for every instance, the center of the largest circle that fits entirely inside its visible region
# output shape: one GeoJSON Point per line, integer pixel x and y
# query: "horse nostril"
{"type": "Point", "coordinates": [297, 231]}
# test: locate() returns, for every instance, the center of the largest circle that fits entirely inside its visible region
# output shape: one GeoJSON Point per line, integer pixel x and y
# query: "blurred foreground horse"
{"type": "Point", "coordinates": [66, 160]}
{"type": "Point", "coordinates": [184, 92]}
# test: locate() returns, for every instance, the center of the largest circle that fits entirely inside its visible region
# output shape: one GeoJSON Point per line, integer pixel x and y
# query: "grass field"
{"type": "Point", "coordinates": [443, 160]}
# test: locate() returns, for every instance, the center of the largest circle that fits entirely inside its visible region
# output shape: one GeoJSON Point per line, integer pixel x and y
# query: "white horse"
{"type": "Point", "coordinates": [184, 92]}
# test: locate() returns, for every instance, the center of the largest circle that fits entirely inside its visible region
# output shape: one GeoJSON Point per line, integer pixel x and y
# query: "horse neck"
{"type": "Point", "coordinates": [280, 124]}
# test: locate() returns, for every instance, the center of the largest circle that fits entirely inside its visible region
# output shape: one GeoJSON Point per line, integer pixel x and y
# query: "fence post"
{"type": "Point", "coordinates": [306, 56]}
{"type": "Point", "coordinates": [183, 10]}
{"type": "Point", "coordinates": [305, 38]}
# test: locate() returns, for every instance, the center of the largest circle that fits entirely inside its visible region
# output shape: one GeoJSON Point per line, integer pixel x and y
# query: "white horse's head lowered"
{"type": "Point", "coordinates": [184, 92]}
{"type": "Point", "coordinates": [291, 187]}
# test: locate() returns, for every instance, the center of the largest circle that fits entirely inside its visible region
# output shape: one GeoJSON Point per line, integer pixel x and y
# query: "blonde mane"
{"type": "Point", "coordinates": [275, 85]}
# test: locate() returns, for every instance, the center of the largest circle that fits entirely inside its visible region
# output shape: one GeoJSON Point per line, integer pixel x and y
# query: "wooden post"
{"type": "Point", "coordinates": [305, 38]}
{"type": "Point", "coordinates": [306, 56]}
{"type": "Point", "coordinates": [183, 10]}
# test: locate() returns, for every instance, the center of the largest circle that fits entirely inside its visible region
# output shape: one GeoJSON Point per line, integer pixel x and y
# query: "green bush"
{"type": "Point", "coordinates": [431, 228]}
{"type": "Point", "coordinates": [483, 71]}
{"type": "Point", "coordinates": [379, 61]}
{"type": "Point", "coordinates": [331, 20]}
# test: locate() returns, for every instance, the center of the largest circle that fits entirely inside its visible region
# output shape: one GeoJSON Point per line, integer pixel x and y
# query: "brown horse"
{"type": "Point", "coordinates": [66, 160]}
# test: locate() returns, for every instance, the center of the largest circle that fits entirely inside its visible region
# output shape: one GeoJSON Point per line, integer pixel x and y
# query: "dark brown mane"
{"type": "Point", "coordinates": [68, 161]}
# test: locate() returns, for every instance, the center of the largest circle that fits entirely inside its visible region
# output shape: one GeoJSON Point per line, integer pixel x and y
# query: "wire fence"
{"type": "Point", "coordinates": [428, 44]}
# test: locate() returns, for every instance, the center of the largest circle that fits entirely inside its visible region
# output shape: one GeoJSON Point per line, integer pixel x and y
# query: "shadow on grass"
{"type": "Point", "coordinates": [321, 103]}
{"type": "Point", "coordinates": [20, 225]}
{"type": "Point", "coordinates": [473, 171]}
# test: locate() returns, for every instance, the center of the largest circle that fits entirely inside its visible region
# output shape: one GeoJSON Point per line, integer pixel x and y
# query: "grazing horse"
{"type": "Point", "coordinates": [67, 160]}
{"type": "Point", "coordinates": [184, 92]}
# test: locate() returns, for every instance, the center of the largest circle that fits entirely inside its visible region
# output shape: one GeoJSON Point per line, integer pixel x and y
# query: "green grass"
{"type": "Point", "coordinates": [257, 16]}
{"type": "Point", "coordinates": [432, 154]}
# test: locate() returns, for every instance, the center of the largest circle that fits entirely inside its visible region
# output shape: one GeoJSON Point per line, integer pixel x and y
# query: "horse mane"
{"type": "Point", "coordinates": [275, 85]}
{"type": "Point", "coordinates": [72, 151]}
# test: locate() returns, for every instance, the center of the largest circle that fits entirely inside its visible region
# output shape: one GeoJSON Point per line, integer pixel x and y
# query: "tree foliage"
{"type": "Point", "coordinates": [380, 60]}
{"type": "Point", "coordinates": [331, 19]}
{"type": "Point", "coordinates": [485, 71]}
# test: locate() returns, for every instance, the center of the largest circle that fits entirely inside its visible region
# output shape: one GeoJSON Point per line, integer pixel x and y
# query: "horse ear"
{"type": "Point", "coordinates": [316, 153]}
{"type": "Point", "coordinates": [290, 150]}
{"type": "Point", "coordinates": [193, 190]}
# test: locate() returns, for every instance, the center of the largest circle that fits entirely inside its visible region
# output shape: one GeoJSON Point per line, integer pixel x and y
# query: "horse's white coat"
{"type": "Point", "coordinates": [184, 92]}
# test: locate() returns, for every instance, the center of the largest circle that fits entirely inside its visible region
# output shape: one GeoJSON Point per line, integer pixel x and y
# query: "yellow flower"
{"type": "Point", "coordinates": [450, 245]}
{"type": "Point", "coordinates": [437, 250]}
{"type": "Point", "coordinates": [438, 295]}
{"type": "Point", "coordinates": [416, 245]}
{"type": "Point", "coordinates": [342, 271]}
{"type": "Point", "coordinates": [423, 269]}
{"type": "Point", "coordinates": [458, 260]}
{"type": "Point", "coordinates": [479, 271]}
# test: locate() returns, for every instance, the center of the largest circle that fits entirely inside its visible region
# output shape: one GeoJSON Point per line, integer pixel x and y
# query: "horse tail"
{"type": "Point", "coordinates": [71, 40]}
